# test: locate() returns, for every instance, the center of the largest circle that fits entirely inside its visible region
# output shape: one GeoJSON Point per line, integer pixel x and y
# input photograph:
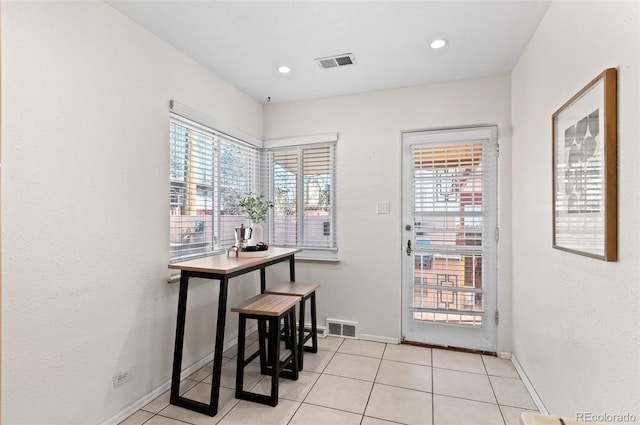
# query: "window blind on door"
{"type": "Point", "coordinates": [453, 219]}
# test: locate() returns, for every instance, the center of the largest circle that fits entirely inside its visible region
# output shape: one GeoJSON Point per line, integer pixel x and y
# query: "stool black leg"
{"type": "Point", "coordinates": [314, 325]}
{"type": "Point", "coordinates": [287, 339]}
{"type": "Point", "coordinates": [274, 351]}
{"type": "Point", "coordinates": [313, 334]}
{"type": "Point", "coordinates": [294, 346]}
{"type": "Point", "coordinates": [301, 335]}
{"type": "Point", "coordinates": [262, 335]}
{"type": "Point", "coordinates": [274, 366]}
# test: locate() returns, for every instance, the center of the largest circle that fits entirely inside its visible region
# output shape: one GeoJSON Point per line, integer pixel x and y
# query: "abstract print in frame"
{"type": "Point", "coordinates": [585, 170]}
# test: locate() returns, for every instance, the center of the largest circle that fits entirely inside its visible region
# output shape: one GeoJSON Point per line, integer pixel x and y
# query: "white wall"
{"type": "Point", "coordinates": [85, 210]}
{"type": "Point", "coordinates": [366, 285]}
{"type": "Point", "coordinates": [576, 327]}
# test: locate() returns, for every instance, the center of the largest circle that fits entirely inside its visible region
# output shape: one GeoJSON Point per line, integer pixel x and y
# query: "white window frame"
{"type": "Point", "coordinates": [218, 240]}
{"type": "Point", "coordinates": [264, 180]}
{"type": "Point", "coordinates": [301, 143]}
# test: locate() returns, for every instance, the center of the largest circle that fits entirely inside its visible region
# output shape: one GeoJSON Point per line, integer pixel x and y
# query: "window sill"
{"type": "Point", "coordinates": [329, 255]}
{"type": "Point", "coordinates": [317, 260]}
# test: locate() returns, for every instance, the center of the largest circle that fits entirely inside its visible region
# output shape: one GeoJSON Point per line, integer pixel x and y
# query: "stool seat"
{"type": "Point", "coordinates": [304, 291]}
{"type": "Point", "coordinates": [267, 309]}
{"type": "Point", "coordinates": [266, 305]}
{"type": "Point", "coordinates": [300, 289]}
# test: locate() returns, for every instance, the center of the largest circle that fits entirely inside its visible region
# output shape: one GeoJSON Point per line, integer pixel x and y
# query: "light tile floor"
{"type": "Point", "coordinates": [355, 382]}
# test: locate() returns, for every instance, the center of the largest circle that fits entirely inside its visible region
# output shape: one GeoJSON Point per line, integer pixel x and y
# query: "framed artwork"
{"type": "Point", "coordinates": [585, 170]}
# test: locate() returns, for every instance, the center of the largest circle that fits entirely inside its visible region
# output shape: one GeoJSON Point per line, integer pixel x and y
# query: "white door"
{"type": "Point", "coordinates": [450, 238]}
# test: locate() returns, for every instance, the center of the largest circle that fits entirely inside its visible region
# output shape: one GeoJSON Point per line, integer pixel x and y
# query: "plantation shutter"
{"type": "Point", "coordinates": [301, 184]}
{"type": "Point", "coordinates": [284, 223]}
{"type": "Point", "coordinates": [317, 166]}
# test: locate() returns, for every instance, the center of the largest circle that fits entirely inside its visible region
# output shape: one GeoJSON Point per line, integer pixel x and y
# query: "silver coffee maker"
{"type": "Point", "coordinates": [243, 234]}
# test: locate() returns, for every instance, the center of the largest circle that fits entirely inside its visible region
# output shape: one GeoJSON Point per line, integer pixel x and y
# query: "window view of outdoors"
{"type": "Point", "coordinates": [302, 213]}
{"type": "Point", "coordinates": [448, 182]}
{"type": "Point", "coordinates": [209, 175]}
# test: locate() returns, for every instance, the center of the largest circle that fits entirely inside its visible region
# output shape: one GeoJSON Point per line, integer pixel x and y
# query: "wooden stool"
{"type": "Point", "coordinates": [267, 308]}
{"type": "Point", "coordinates": [306, 291]}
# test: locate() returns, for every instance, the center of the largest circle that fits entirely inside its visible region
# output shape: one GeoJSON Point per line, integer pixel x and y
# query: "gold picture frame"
{"type": "Point", "coordinates": [585, 170]}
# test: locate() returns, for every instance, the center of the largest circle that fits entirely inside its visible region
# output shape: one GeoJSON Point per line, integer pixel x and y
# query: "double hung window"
{"type": "Point", "coordinates": [211, 171]}
{"type": "Point", "coordinates": [301, 183]}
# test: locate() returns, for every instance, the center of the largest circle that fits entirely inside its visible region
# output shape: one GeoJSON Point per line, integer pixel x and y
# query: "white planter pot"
{"type": "Point", "coordinates": [256, 234]}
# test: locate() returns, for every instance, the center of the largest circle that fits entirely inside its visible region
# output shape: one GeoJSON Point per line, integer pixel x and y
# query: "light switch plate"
{"type": "Point", "coordinates": [383, 207]}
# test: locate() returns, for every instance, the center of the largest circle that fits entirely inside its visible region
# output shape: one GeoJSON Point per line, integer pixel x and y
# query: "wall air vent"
{"type": "Point", "coordinates": [336, 61]}
{"type": "Point", "coordinates": [342, 328]}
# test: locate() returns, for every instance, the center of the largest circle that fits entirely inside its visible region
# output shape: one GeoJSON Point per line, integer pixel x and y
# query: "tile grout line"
{"type": "Point", "coordinates": [253, 387]}
{"type": "Point", "coordinates": [493, 390]}
{"type": "Point", "coordinates": [472, 399]}
{"type": "Point", "coordinates": [332, 356]}
{"type": "Point", "coordinates": [152, 416]}
{"type": "Point", "coordinates": [201, 381]}
{"type": "Point", "coordinates": [315, 382]}
{"type": "Point", "coordinates": [173, 419]}
{"type": "Point", "coordinates": [433, 394]}
{"type": "Point", "coordinates": [373, 384]}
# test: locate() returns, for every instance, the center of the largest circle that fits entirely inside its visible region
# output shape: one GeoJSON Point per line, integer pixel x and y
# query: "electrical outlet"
{"type": "Point", "coordinates": [121, 378]}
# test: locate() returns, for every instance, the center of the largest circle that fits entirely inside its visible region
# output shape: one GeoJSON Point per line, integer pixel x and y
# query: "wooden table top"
{"type": "Point", "coordinates": [221, 264]}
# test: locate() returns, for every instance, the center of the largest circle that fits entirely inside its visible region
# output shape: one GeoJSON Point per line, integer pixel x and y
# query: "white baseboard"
{"type": "Point", "coordinates": [378, 338]}
{"type": "Point", "coordinates": [529, 386]}
{"type": "Point", "coordinates": [137, 405]}
{"type": "Point", "coordinates": [146, 399]}
{"type": "Point", "coordinates": [321, 331]}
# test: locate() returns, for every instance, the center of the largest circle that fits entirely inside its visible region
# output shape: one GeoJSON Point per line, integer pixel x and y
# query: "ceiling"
{"type": "Point", "coordinates": [245, 42]}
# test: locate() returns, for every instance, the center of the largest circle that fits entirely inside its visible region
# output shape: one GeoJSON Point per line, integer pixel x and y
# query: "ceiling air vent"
{"type": "Point", "coordinates": [336, 61]}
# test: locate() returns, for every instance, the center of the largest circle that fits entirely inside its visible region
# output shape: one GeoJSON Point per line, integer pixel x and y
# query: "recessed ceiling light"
{"type": "Point", "coordinates": [284, 69]}
{"type": "Point", "coordinates": [438, 43]}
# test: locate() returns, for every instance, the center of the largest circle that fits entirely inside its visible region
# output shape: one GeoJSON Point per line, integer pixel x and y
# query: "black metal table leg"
{"type": "Point", "coordinates": [217, 354]}
{"type": "Point", "coordinates": [263, 280]}
{"type": "Point", "coordinates": [177, 350]}
{"type": "Point", "coordinates": [301, 335]}
{"type": "Point", "coordinates": [292, 269]}
{"type": "Point", "coordinates": [274, 351]}
{"type": "Point", "coordinates": [242, 323]}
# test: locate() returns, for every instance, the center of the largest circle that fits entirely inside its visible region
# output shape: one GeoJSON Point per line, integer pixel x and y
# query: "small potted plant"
{"type": "Point", "coordinates": [256, 208]}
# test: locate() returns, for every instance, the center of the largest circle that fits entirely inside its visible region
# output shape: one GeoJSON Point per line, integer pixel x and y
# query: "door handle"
{"type": "Point", "coordinates": [409, 247]}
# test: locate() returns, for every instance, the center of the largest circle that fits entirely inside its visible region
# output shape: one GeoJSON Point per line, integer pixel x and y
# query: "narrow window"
{"type": "Point", "coordinates": [301, 182]}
